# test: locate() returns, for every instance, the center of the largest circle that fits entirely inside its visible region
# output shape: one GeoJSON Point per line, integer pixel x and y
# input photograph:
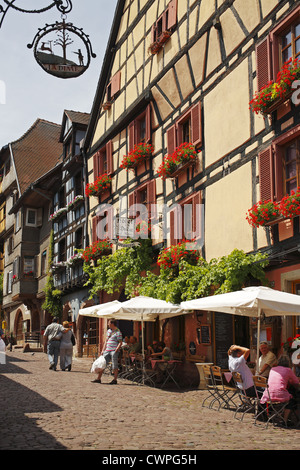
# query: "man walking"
{"type": "Point", "coordinates": [52, 336]}
{"type": "Point", "coordinates": [111, 349]}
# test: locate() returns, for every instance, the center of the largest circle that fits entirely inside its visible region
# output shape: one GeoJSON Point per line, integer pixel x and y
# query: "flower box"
{"type": "Point", "coordinates": [77, 200]}
{"type": "Point", "coordinates": [172, 165]}
{"type": "Point", "coordinates": [57, 214]}
{"type": "Point", "coordinates": [171, 257]}
{"type": "Point", "coordinates": [140, 153]}
{"type": "Point", "coordinates": [97, 249]}
{"type": "Point", "coordinates": [56, 267]}
{"type": "Point", "coordinates": [74, 259]}
{"type": "Point", "coordinates": [106, 106]}
{"type": "Point", "coordinates": [270, 97]}
{"type": "Point", "coordinates": [157, 45]}
{"type": "Point", "coordinates": [101, 184]}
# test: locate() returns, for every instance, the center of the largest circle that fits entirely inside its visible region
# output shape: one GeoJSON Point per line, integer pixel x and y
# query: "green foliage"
{"type": "Point", "coordinates": [227, 274]}
{"type": "Point", "coordinates": [53, 302]}
{"type": "Point", "coordinates": [122, 268]}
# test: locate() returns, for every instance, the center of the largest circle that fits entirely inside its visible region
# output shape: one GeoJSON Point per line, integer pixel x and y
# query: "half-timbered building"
{"type": "Point", "coordinates": [179, 71]}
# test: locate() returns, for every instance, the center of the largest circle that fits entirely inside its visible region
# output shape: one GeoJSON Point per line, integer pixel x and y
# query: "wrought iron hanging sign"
{"type": "Point", "coordinates": [62, 49]}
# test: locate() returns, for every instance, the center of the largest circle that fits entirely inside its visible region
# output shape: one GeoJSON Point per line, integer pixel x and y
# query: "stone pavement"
{"type": "Point", "coordinates": [55, 410]}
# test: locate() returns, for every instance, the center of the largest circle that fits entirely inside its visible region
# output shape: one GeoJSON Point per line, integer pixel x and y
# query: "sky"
{"type": "Point", "coordinates": [27, 92]}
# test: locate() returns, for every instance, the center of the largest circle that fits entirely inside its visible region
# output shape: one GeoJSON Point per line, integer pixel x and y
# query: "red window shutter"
{"type": "Point", "coordinates": [266, 175]}
{"type": "Point", "coordinates": [115, 83]}
{"type": "Point", "coordinates": [94, 229]}
{"type": "Point", "coordinates": [131, 135]}
{"type": "Point", "coordinates": [171, 139]}
{"type": "Point", "coordinates": [96, 163]}
{"type": "Point", "coordinates": [172, 16]}
{"type": "Point", "coordinates": [196, 125]}
{"type": "Point", "coordinates": [109, 156]}
{"type": "Point", "coordinates": [263, 63]}
{"type": "Point", "coordinates": [148, 124]}
{"type": "Point", "coordinates": [151, 196]}
{"type": "Point", "coordinates": [176, 225]}
{"type": "Point", "coordinates": [131, 203]}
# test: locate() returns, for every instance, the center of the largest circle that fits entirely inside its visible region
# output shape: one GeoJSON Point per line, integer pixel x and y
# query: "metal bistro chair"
{"type": "Point", "coordinates": [248, 404]}
{"type": "Point", "coordinates": [210, 387]}
{"type": "Point", "coordinates": [225, 392]}
{"type": "Point", "coordinates": [272, 411]}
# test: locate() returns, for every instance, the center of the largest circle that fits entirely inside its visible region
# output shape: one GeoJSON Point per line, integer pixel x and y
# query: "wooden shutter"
{"type": "Point", "coordinates": [131, 203]}
{"type": "Point", "coordinates": [266, 175]}
{"type": "Point", "coordinates": [263, 63]}
{"type": "Point", "coordinates": [115, 84]}
{"type": "Point", "coordinates": [96, 163]}
{"type": "Point", "coordinates": [94, 229]}
{"type": "Point", "coordinates": [196, 124]}
{"type": "Point", "coordinates": [151, 196]}
{"type": "Point", "coordinates": [172, 16]}
{"type": "Point", "coordinates": [109, 157]}
{"type": "Point", "coordinates": [176, 225]}
{"type": "Point", "coordinates": [131, 135]}
{"type": "Point", "coordinates": [279, 189]}
{"type": "Point", "coordinates": [171, 139]}
{"type": "Point", "coordinates": [148, 124]}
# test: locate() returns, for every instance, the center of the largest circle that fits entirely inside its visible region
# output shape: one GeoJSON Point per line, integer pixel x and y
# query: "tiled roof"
{"type": "Point", "coordinates": [36, 152]}
{"type": "Point", "coordinates": [79, 118]}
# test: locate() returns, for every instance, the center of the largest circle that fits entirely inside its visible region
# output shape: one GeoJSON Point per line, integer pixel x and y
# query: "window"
{"type": "Point", "coordinates": [113, 87]}
{"type": "Point", "coordinates": [186, 220]}
{"type": "Point", "coordinates": [44, 263]}
{"type": "Point", "coordinates": [165, 23]}
{"type": "Point", "coordinates": [79, 238]}
{"type": "Point", "coordinates": [140, 129]}
{"type": "Point", "coordinates": [18, 221]}
{"type": "Point", "coordinates": [28, 266]}
{"type": "Point", "coordinates": [62, 250]}
{"type": "Point", "coordinates": [31, 217]}
{"type": "Point", "coordinates": [10, 245]}
{"type": "Point", "coordinates": [78, 184]}
{"type": "Point", "coordinates": [9, 282]}
{"type": "Point", "coordinates": [144, 195]}
{"type": "Point", "coordinates": [291, 166]}
{"type": "Point", "coordinates": [188, 128]}
{"type": "Point", "coordinates": [103, 160]}
{"type": "Point", "coordinates": [282, 44]}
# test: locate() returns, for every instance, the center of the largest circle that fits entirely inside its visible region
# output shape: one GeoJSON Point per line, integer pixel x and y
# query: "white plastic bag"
{"type": "Point", "coordinates": [99, 363]}
{"type": "Point", "coordinates": [2, 345]}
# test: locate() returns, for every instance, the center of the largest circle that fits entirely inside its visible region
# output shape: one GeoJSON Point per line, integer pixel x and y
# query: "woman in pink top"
{"type": "Point", "coordinates": [280, 378]}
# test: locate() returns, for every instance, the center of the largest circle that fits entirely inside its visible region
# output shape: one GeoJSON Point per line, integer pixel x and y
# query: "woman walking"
{"type": "Point", "coordinates": [66, 349]}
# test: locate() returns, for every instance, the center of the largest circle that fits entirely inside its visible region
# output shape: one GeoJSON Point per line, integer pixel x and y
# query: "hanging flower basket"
{"type": "Point", "coordinates": [101, 184]}
{"type": "Point", "coordinates": [98, 248]}
{"type": "Point", "coordinates": [263, 213]}
{"type": "Point", "coordinates": [274, 93]}
{"type": "Point", "coordinates": [170, 257]}
{"type": "Point", "coordinates": [138, 155]}
{"type": "Point", "coordinates": [75, 202]}
{"type": "Point", "coordinates": [57, 214]}
{"type": "Point", "coordinates": [182, 157]}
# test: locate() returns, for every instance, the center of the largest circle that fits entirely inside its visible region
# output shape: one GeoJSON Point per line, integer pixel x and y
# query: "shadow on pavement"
{"type": "Point", "coordinates": [18, 431]}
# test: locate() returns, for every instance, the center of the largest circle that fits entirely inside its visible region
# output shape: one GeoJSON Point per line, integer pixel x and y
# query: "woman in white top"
{"type": "Point", "coordinates": [237, 357]}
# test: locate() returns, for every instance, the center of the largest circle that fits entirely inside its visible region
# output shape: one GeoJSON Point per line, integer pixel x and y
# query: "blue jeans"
{"type": "Point", "coordinates": [53, 348]}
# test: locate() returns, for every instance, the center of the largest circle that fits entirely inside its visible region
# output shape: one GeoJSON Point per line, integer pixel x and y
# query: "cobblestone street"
{"type": "Point", "coordinates": [43, 409]}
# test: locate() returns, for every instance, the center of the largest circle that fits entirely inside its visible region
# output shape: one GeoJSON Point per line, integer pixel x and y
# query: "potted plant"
{"type": "Point", "coordinates": [274, 93]}
{"type": "Point", "coordinates": [290, 204]}
{"type": "Point", "coordinates": [72, 204]}
{"type": "Point", "coordinates": [57, 214]}
{"type": "Point", "coordinates": [139, 154]}
{"type": "Point", "coordinates": [102, 183]}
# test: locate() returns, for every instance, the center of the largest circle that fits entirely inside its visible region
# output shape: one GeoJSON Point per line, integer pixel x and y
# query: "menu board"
{"type": "Point", "coordinates": [223, 338]}
{"type": "Point", "coordinates": [204, 334]}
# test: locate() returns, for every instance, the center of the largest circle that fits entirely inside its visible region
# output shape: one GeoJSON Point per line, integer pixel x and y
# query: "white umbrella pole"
{"type": "Point", "coordinates": [258, 340]}
{"type": "Point", "coordinates": [143, 352]}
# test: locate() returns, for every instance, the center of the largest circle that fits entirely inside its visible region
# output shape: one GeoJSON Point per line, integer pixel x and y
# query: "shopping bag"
{"type": "Point", "coordinates": [3, 347]}
{"type": "Point", "coordinates": [99, 363]}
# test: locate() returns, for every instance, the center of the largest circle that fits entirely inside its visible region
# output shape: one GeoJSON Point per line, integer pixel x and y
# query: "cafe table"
{"type": "Point", "coordinates": [168, 368]}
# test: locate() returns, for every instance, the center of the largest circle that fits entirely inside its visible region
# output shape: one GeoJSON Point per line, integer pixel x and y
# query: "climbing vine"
{"type": "Point", "coordinates": [52, 303]}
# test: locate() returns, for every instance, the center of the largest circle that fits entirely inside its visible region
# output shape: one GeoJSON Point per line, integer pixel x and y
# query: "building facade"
{"type": "Point", "coordinates": [185, 72]}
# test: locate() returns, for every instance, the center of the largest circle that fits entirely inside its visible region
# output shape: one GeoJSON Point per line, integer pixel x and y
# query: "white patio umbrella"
{"type": "Point", "coordinates": [140, 308]}
{"type": "Point", "coordinates": [250, 302]}
{"type": "Point", "coordinates": [92, 311]}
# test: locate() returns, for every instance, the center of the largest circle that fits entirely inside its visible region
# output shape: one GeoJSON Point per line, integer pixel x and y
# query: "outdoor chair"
{"type": "Point", "coordinates": [225, 393]}
{"type": "Point", "coordinates": [144, 374]}
{"type": "Point", "coordinates": [270, 411]}
{"type": "Point", "coordinates": [213, 395]}
{"type": "Point", "coordinates": [248, 404]}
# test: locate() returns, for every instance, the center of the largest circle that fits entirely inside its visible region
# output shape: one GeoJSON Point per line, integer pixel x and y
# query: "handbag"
{"type": "Point", "coordinates": [73, 339]}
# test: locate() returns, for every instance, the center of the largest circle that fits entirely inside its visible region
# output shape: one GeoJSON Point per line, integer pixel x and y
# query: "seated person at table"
{"type": "Point", "coordinates": [134, 346]}
{"type": "Point", "coordinates": [165, 352]}
{"type": "Point", "coordinates": [266, 361]}
{"type": "Point", "coordinates": [283, 386]}
{"type": "Point", "coordinates": [125, 343]}
{"type": "Point", "coordinates": [154, 347]}
{"type": "Point", "coordinates": [237, 357]}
